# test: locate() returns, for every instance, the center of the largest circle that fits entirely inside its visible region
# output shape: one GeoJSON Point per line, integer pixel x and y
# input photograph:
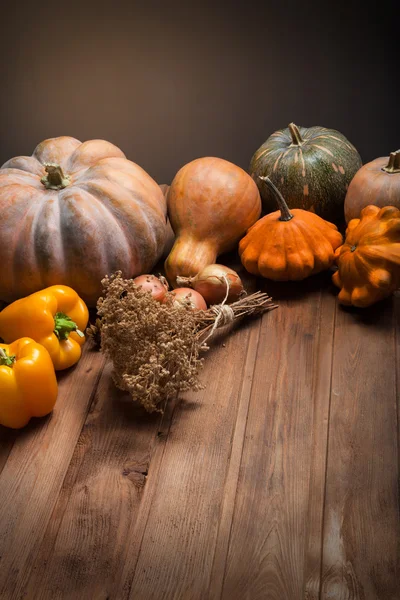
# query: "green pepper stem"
{"type": "Point", "coordinates": [286, 215]}
{"type": "Point", "coordinates": [64, 325]}
{"type": "Point", "coordinates": [55, 178]}
{"type": "Point", "coordinates": [6, 360]}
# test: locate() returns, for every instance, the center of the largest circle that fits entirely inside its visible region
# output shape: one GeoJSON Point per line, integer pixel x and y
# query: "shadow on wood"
{"type": "Point", "coordinates": [296, 290]}
{"type": "Point", "coordinates": [372, 314]}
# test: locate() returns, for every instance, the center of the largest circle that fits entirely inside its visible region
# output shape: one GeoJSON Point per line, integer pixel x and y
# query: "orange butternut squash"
{"type": "Point", "coordinates": [211, 203]}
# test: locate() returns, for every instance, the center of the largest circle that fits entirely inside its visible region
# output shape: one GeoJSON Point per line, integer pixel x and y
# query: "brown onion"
{"type": "Point", "coordinates": [151, 283]}
{"type": "Point", "coordinates": [189, 297]}
{"type": "Point", "coordinates": [211, 284]}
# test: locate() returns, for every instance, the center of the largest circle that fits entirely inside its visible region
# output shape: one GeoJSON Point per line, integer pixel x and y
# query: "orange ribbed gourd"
{"type": "Point", "coordinates": [369, 260]}
{"type": "Point", "coordinates": [288, 245]}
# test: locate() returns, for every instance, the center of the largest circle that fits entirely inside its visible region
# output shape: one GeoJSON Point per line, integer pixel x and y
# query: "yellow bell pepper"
{"type": "Point", "coordinates": [28, 383]}
{"type": "Point", "coordinates": [54, 317]}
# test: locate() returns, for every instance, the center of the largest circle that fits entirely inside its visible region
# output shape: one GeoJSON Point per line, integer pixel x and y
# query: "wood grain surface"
{"type": "Point", "coordinates": [361, 522]}
{"type": "Point", "coordinates": [278, 481]}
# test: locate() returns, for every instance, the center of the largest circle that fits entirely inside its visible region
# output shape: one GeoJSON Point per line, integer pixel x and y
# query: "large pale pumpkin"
{"type": "Point", "coordinates": [72, 213]}
{"type": "Point", "coordinates": [312, 167]}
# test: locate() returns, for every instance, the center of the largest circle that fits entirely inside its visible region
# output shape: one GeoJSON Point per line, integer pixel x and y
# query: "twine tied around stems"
{"type": "Point", "coordinates": [224, 313]}
{"type": "Point", "coordinates": [156, 357]}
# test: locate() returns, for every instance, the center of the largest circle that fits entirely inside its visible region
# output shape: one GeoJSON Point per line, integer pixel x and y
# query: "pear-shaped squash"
{"type": "Point", "coordinates": [288, 245]}
{"type": "Point", "coordinates": [369, 260]}
{"type": "Point", "coordinates": [211, 204]}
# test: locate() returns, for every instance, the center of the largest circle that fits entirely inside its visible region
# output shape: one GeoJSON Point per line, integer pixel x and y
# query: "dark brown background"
{"type": "Point", "coordinates": [169, 82]}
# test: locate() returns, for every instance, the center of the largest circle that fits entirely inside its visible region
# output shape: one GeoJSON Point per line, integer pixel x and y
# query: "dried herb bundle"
{"type": "Point", "coordinates": [155, 348]}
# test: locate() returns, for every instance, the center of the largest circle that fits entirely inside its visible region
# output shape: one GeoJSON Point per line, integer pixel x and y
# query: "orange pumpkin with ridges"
{"type": "Point", "coordinates": [369, 260]}
{"type": "Point", "coordinates": [288, 245]}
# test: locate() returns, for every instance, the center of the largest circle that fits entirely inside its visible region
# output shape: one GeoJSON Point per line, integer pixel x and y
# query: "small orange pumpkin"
{"type": "Point", "coordinates": [288, 245]}
{"type": "Point", "coordinates": [369, 260]}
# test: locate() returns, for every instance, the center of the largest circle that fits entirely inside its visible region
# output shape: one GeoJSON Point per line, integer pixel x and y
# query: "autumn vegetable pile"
{"type": "Point", "coordinates": [83, 227]}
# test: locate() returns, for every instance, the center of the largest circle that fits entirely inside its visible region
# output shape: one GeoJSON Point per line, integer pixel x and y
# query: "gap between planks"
{"type": "Point", "coordinates": [277, 482]}
{"type": "Point", "coordinates": [232, 477]}
{"type": "Point", "coordinates": [321, 406]}
{"type": "Point", "coordinates": [31, 479]}
{"type": "Point", "coordinates": [114, 457]}
{"type": "Point", "coordinates": [137, 532]}
{"type": "Point", "coordinates": [322, 402]}
{"type": "Point", "coordinates": [132, 579]}
{"type": "Point", "coordinates": [361, 517]}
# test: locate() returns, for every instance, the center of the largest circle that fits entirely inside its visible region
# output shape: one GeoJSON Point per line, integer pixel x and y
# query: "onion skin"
{"type": "Point", "coordinates": [211, 284]}
{"type": "Point", "coordinates": [151, 283]}
{"type": "Point", "coordinates": [185, 295]}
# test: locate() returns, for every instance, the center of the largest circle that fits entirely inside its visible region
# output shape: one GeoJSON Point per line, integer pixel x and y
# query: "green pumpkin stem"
{"type": "Point", "coordinates": [393, 165]}
{"type": "Point", "coordinates": [63, 325]}
{"type": "Point", "coordinates": [6, 360]}
{"type": "Point", "coordinates": [55, 178]}
{"type": "Point", "coordinates": [286, 215]}
{"type": "Point", "coordinates": [297, 140]}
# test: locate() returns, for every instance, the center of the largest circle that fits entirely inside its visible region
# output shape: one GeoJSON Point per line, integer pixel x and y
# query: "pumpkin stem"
{"type": "Point", "coordinates": [393, 165]}
{"type": "Point", "coordinates": [55, 178]}
{"type": "Point", "coordinates": [6, 360]}
{"type": "Point", "coordinates": [297, 140]}
{"type": "Point", "coordinates": [286, 215]}
{"type": "Point", "coordinates": [63, 325]}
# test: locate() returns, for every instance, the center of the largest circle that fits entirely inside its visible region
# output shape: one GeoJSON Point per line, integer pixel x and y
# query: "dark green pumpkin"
{"type": "Point", "coordinates": [312, 167]}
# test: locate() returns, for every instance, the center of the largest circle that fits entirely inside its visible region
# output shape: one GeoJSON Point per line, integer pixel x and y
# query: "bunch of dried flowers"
{"type": "Point", "coordinates": [155, 347]}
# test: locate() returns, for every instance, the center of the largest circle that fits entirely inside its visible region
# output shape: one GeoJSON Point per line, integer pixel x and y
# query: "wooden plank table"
{"type": "Point", "coordinates": [278, 481]}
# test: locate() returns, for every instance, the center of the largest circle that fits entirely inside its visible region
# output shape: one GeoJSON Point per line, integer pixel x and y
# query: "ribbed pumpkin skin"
{"type": "Point", "coordinates": [369, 260]}
{"type": "Point", "coordinates": [289, 250]}
{"type": "Point", "coordinates": [372, 186]}
{"type": "Point", "coordinates": [211, 204]}
{"type": "Point", "coordinates": [111, 216]}
{"type": "Point", "coordinates": [314, 175]}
